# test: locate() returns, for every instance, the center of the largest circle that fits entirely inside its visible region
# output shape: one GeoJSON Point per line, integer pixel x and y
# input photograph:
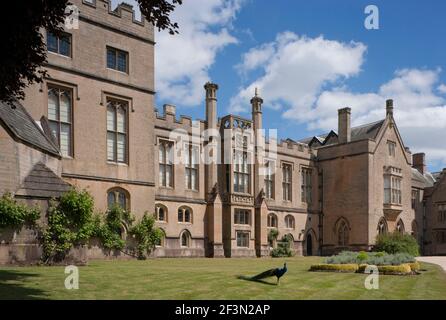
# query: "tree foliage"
{"type": "Point", "coordinates": [397, 243]}
{"type": "Point", "coordinates": [25, 51]}
{"type": "Point", "coordinates": [157, 12]}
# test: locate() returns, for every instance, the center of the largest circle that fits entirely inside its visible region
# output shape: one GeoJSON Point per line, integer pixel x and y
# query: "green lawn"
{"type": "Point", "coordinates": [212, 279]}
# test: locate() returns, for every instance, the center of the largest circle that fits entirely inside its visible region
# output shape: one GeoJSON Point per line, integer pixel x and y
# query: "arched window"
{"type": "Point", "coordinates": [382, 226]}
{"type": "Point", "coordinates": [272, 220]}
{"type": "Point", "coordinates": [400, 226]}
{"type": "Point", "coordinates": [343, 233]}
{"type": "Point", "coordinates": [160, 242]}
{"type": "Point", "coordinates": [185, 239]}
{"type": "Point", "coordinates": [161, 213]}
{"type": "Point", "coordinates": [289, 222]}
{"type": "Point", "coordinates": [185, 214]}
{"type": "Point", "coordinates": [119, 197]}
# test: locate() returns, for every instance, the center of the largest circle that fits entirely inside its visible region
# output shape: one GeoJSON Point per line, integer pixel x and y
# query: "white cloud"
{"type": "Point", "coordinates": [304, 76]}
{"type": "Point", "coordinates": [183, 61]}
{"type": "Point", "coordinates": [295, 69]}
{"type": "Point", "coordinates": [442, 88]}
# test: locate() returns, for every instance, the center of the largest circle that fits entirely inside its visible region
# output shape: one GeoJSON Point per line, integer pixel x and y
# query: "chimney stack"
{"type": "Point", "coordinates": [344, 127]}
{"type": "Point", "coordinates": [169, 109]}
{"type": "Point", "coordinates": [389, 107]}
{"type": "Point", "coordinates": [419, 162]}
{"type": "Point", "coordinates": [211, 104]}
{"type": "Point", "coordinates": [256, 103]}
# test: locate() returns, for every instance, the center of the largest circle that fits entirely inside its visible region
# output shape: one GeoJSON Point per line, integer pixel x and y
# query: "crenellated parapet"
{"type": "Point", "coordinates": [122, 17]}
{"type": "Point", "coordinates": [168, 121]}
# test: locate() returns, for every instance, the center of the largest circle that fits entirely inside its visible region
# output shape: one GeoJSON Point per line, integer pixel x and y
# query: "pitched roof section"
{"type": "Point", "coordinates": [366, 131]}
{"type": "Point", "coordinates": [427, 179]}
{"type": "Point", "coordinates": [42, 182]}
{"type": "Point", "coordinates": [22, 126]}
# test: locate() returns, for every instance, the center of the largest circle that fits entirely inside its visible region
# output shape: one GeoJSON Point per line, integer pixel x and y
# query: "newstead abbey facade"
{"type": "Point", "coordinates": [217, 186]}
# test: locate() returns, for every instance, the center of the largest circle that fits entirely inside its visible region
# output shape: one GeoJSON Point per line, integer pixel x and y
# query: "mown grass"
{"type": "Point", "coordinates": [212, 279]}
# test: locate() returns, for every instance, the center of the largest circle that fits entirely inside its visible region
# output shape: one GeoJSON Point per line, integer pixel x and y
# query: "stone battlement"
{"type": "Point", "coordinates": [122, 17]}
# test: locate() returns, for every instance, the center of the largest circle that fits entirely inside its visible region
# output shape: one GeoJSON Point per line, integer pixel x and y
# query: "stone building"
{"type": "Point", "coordinates": [435, 216]}
{"type": "Point", "coordinates": [95, 127]}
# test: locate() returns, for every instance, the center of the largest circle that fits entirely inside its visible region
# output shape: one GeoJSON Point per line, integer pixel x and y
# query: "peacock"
{"type": "Point", "coordinates": [278, 272]}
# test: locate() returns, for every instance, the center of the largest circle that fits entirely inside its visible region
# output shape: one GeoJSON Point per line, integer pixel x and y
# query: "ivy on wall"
{"type": "Point", "coordinates": [71, 222]}
{"type": "Point", "coordinates": [15, 215]}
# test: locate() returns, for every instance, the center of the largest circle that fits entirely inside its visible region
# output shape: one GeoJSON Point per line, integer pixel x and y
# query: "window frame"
{"type": "Point", "coordinates": [290, 218]}
{"type": "Point", "coordinates": [116, 191]}
{"type": "Point", "coordinates": [116, 52]}
{"type": "Point", "coordinates": [162, 174]}
{"type": "Point", "coordinates": [125, 105]}
{"type": "Point", "coordinates": [287, 184]}
{"type": "Point", "coordinates": [58, 38]}
{"type": "Point", "coordinates": [188, 239]}
{"type": "Point", "coordinates": [392, 185]}
{"type": "Point", "coordinates": [242, 217]}
{"type": "Point", "coordinates": [183, 219]}
{"type": "Point", "coordinates": [58, 122]}
{"type": "Point", "coordinates": [243, 239]}
{"type": "Point", "coordinates": [159, 206]}
{"type": "Point", "coordinates": [272, 221]}
{"type": "Point", "coordinates": [241, 171]}
{"type": "Point", "coordinates": [391, 147]}
{"type": "Point", "coordinates": [269, 179]}
{"type": "Point", "coordinates": [189, 167]}
{"type": "Point", "coordinates": [306, 185]}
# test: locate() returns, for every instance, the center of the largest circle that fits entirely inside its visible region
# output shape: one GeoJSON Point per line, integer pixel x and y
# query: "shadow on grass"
{"type": "Point", "coordinates": [258, 280]}
{"type": "Point", "coordinates": [12, 286]}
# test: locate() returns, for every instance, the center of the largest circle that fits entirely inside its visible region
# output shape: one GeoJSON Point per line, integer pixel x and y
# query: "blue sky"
{"type": "Point", "coordinates": [310, 58]}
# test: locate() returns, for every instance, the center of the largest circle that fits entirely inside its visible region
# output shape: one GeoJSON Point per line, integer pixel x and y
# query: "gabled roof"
{"type": "Point", "coordinates": [366, 131]}
{"type": "Point", "coordinates": [42, 182]}
{"type": "Point", "coordinates": [21, 126]}
{"type": "Point", "coordinates": [426, 179]}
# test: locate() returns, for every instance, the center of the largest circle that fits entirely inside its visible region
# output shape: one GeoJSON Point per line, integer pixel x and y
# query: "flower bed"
{"type": "Point", "coordinates": [394, 264]}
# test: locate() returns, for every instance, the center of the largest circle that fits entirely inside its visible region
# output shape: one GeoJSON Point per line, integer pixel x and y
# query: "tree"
{"type": "Point", "coordinates": [24, 50]}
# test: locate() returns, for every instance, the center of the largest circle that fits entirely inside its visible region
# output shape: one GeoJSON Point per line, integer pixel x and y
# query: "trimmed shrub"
{"type": "Point", "coordinates": [414, 266]}
{"type": "Point", "coordinates": [395, 270]}
{"type": "Point", "coordinates": [397, 243]}
{"type": "Point", "coordinates": [335, 267]}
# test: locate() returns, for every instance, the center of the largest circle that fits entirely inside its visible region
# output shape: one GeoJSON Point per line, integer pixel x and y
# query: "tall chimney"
{"type": "Point", "coordinates": [256, 103]}
{"type": "Point", "coordinates": [211, 136]}
{"type": "Point", "coordinates": [211, 104]}
{"type": "Point", "coordinates": [419, 162]}
{"type": "Point", "coordinates": [344, 128]}
{"type": "Point", "coordinates": [389, 107]}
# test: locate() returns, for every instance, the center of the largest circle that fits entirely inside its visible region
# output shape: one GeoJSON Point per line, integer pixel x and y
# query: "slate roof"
{"type": "Point", "coordinates": [42, 182]}
{"type": "Point", "coordinates": [18, 122]}
{"type": "Point", "coordinates": [366, 131]}
{"type": "Point", "coordinates": [427, 179]}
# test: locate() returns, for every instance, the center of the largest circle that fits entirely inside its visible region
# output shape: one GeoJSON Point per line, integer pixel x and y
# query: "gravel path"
{"type": "Point", "coordinates": [440, 260]}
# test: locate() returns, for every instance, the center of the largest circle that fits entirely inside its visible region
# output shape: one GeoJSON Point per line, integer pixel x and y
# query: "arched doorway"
{"type": "Point", "coordinates": [309, 242]}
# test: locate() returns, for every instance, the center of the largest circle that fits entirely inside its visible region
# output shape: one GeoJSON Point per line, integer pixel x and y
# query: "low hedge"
{"type": "Point", "coordinates": [406, 268]}
{"type": "Point", "coordinates": [401, 269]}
{"type": "Point", "coordinates": [335, 267]}
{"type": "Point", "coordinates": [414, 266]}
